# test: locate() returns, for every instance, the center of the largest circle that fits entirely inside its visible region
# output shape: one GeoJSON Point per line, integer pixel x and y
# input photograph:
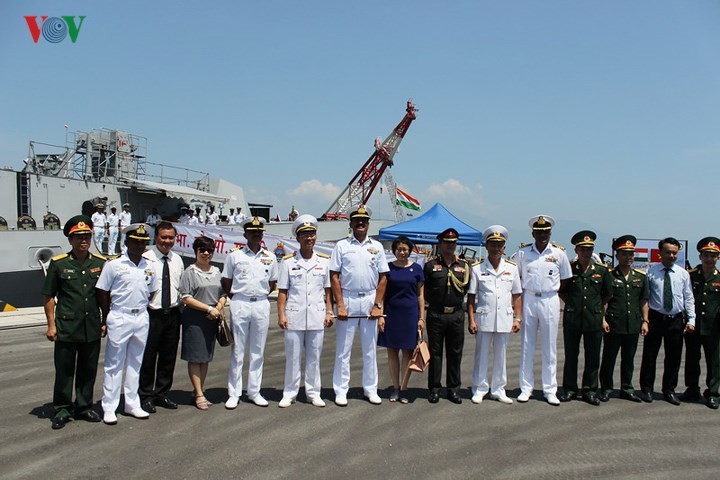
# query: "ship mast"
{"type": "Point", "coordinates": [362, 185]}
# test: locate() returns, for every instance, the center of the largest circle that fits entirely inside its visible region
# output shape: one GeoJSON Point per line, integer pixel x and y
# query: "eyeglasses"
{"type": "Point", "coordinates": [206, 250]}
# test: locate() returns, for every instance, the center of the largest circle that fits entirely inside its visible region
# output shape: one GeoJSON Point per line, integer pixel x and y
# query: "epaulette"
{"type": "Point", "coordinates": [557, 246]}
{"type": "Point", "coordinates": [59, 257]}
{"type": "Point", "coordinates": [323, 255]}
{"type": "Point", "coordinates": [110, 259]}
{"type": "Point", "coordinates": [639, 271]}
{"type": "Point", "coordinates": [99, 256]}
{"type": "Point", "coordinates": [510, 262]}
{"type": "Point", "coordinates": [233, 249]}
{"type": "Point", "coordinates": [289, 255]}
{"type": "Point", "coordinates": [523, 245]}
{"type": "Point", "coordinates": [693, 270]}
{"type": "Point", "coordinates": [477, 263]}
{"type": "Point", "coordinates": [602, 265]}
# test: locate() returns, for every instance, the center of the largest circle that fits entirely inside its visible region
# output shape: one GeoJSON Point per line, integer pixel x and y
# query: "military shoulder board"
{"type": "Point", "coordinates": [639, 271]}
{"type": "Point", "coordinates": [236, 248]}
{"type": "Point", "coordinates": [289, 255]}
{"type": "Point", "coordinates": [477, 263]}
{"type": "Point", "coordinates": [510, 262]}
{"type": "Point", "coordinates": [323, 255]}
{"type": "Point", "coordinates": [59, 257]}
{"type": "Point", "coordinates": [693, 270]}
{"type": "Point", "coordinates": [99, 256]}
{"type": "Point", "coordinates": [523, 245]}
{"type": "Point", "coordinates": [557, 246]}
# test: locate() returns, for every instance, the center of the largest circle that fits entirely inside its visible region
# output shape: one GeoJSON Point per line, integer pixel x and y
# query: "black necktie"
{"type": "Point", "coordinates": [165, 284]}
{"type": "Point", "coordinates": [667, 292]}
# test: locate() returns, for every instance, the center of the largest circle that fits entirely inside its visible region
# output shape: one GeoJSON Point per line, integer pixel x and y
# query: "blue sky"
{"type": "Point", "coordinates": [604, 114]}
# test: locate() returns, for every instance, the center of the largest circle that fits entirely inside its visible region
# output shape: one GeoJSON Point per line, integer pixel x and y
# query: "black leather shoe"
{"type": "Point", "coordinates": [89, 416]}
{"type": "Point", "coordinates": [165, 402]}
{"type": "Point", "coordinates": [148, 406]}
{"type": "Point", "coordinates": [630, 396]}
{"type": "Point", "coordinates": [59, 422]}
{"type": "Point", "coordinates": [567, 396]}
{"type": "Point", "coordinates": [591, 399]}
{"type": "Point", "coordinates": [671, 397]}
{"type": "Point", "coordinates": [691, 395]}
{"type": "Point", "coordinates": [713, 403]}
{"type": "Point", "coordinates": [453, 397]}
{"type": "Point", "coordinates": [434, 397]}
{"type": "Point", "coordinates": [603, 396]}
{"type": "Point", "coordinates": [646, 396]}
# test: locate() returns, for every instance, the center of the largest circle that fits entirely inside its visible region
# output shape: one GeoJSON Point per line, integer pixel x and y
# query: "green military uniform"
{"type": "Point", "coordinates": [77, 321]}
{"type": "Point", "coordinates": [583, 295]}
{"type": "Point", "coordinates": [707, 328]}
{"type": "Point", "coordinates": [624, 316]}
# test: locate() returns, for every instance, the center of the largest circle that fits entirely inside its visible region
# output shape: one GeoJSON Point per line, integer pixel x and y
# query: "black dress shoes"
{"type": "Point", "coordinates": [646, 396]}
{"type": "Point", "coordinates": [603, 396]}
{"type": "Point", "coordinates": [434, 397]}
{"type": "Point", "coordinates": [671, 397]}
{"type": "Point", "coordinates": [631, 396]}
{"type": "Point", "coordinates": [59, 422]}
{"type": "Point", "coordinates": [89, 416]}
{"type": "Point", "coordinates": [690, 395]}
{"type": "Point", "coordinates": [713, 403]}
{"type": "Point", "coordinates": [567, 396]}
{"type": "Point", "coordinates": [454, 398]}
{"type": "Point", "coordinates": [148, 406]}
{"type": "Point", "coordinates": [165, 402]}
{"type": "Point", "coordinates": [591, 399]}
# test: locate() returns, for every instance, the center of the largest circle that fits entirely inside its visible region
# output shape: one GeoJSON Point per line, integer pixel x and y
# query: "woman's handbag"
{"type": "Point", "coordinates": [224, 333]}
{"type": "Point", "coordinates": [419, 360]}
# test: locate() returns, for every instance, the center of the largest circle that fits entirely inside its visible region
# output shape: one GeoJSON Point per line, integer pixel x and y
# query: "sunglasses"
{"type": "Point", "coordinates": [206, 250]}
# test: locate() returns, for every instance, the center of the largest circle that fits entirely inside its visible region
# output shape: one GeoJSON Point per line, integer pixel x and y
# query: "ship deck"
{"type": "Point", "coordinates": [419, 440]}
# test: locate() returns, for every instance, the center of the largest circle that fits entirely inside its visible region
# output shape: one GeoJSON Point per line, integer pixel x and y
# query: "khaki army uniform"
{"type": "Point", "coordinates": [624, 316]}
{"type": "Point", "coordinates": [77, 320]}
{"type": "Point", "coordinates": [583, 296]}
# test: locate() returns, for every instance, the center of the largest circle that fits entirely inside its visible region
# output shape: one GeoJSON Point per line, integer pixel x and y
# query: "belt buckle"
{"type": "Point", "coordinates": [537, 294]}
{"type": "Point", "coordinates": [448, 309]}
{"type": "Point", "coordinates": [361, 294]}
{"type": "Point", "coordinates": [134, 310]}
{"type": "Point", "coordinates": [253, 299]}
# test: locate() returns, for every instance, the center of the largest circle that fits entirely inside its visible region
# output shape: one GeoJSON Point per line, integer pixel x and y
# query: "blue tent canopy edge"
{"type": "Point", "coordinates": [425, 228]}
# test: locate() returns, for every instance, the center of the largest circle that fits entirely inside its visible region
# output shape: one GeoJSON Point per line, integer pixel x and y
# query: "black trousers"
{"type": "Point", "coordinates": [448, 330]}
{"type": "Point", "coordinates": [76, 361]}
{"type": "Point", "coordinates": [158, 365]}
{"type": "Point", "coordinates": [669, 331]}
{"type": "Point", "coordinates": [711, 345]}
{"type": "Point", "coordinates": [592, 342]}
{"type": "Point", "coordinates": [626, 344]}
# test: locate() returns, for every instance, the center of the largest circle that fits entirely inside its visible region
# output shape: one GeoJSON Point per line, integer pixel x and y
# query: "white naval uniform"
{"type": "Point", "coordinates": [231, 219]}
{"type": "Point", "coordinates": [125, 220]}
{"type": "Point", "coordinates": [99, 220]}
{"type": "Point", "coordinates": [153, 221]}
{"type": "Point", "coordinates": [130, 287]}
{"type": "Point", "coordinates": [305, 281]}
{"type": "Point", "coordinates": [193, 220]}
{"type": "Point", "coordinates": [360, 266]}
{"type": "Point", "coordinates": [251, 274]}
{"type": "Point", "coordinates": [493, 290]}
{"type": "Point", "coordinates": [540, 274]}
{"type": "Point", "coordinates": [114, 230]}
{"type": "Point", "coordinates": [239, 217]}
{"type": "Point", "coordinates": [184, 219]}
{"type": "Point", "coordinates": [212, 218]}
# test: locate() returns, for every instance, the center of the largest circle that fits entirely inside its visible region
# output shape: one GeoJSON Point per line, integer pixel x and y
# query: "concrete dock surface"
{"type": "Point", "coordinates": [618, 439]}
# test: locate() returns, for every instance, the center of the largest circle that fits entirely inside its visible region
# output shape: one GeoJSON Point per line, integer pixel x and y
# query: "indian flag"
{"type": "Point", "coordinates": [641, 255]}
{"type": "Point", "coordinates": [404, 199]}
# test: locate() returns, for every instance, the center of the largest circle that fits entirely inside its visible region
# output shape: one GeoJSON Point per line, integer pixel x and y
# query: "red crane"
{"type": "Point", "coordinates": [362, 185]}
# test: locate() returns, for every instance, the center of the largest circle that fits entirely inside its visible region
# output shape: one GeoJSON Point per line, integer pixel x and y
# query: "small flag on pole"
{"type": "Point", "coordinates": [404, 199]}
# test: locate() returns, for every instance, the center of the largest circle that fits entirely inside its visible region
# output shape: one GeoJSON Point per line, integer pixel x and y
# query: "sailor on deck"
{"type": "Point", "coordinates": [99, 221]}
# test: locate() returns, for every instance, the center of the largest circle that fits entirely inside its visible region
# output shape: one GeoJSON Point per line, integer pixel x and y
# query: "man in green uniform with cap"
{"type": "Point", "coordinates": [585, 296]}
{"type": "Point", "coordinates": [626, 318]}
{"type": "Point", "coordinates": [705, 281]}
{"type": "Point", "coordinates": [74, 323]}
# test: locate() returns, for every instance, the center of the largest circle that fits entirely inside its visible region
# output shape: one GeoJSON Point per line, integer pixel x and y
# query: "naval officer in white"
{"type": "Point", "coordinates": [123, 293]}
{"type": "Point", "coordinates": [304, 310]}
{"type": "Point", "coordinates": [249, 275]}
{"type": "Point", "coordinates": [358, 277]}
{"type": "Point", "coordinates": [542, 267]}
{"type": "Point", "coordinates": [99, 220]}
{"type": "Point", "coordinates": [494, 305]}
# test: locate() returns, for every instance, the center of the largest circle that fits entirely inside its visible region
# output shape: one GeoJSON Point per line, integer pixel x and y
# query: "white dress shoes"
{"type": "Point", "coordinates": [259, 400]}
{"type": "Point", "coordinates": [524, 397]}
{"type": "Point", "coordinates": [286, 402]}
{"type": "Point", "coordinates": [341, 400]}
{"type": "Point", "coordinates": [138, 413]}
{"type": "Point", "coordinates": [552, 399]}
{"type": "Point", "coordinates": [317, 402]}
{"type": "Point", "coordinates": [502, 398]}
{"type": "Point", "coordinates": [109, 418]}
{"type": "Point", "coordinates": [374, 399]}
{"type": "Point", "coordinates": [232, 403]}
{"type": "Point", "coordinates": [477, 398]}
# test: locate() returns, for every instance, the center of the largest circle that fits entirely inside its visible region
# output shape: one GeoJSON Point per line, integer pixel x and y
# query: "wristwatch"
{"type": "Point", "coordinates": [378, 305]}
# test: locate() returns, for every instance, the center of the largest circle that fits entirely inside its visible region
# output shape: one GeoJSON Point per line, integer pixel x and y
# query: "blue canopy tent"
{"type": "Point", "coordinates": [425, 228]}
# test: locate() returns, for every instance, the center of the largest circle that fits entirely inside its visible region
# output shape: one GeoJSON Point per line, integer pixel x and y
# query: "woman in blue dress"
{"type": "Point", "coordinates": [404, 308]}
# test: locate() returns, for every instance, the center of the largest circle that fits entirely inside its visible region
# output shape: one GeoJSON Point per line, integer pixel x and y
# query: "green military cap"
{"type": "Point", "coordinates": [584, 238]}
{"type": "Point", "coordinates": [448, 235]}
{"type": "Point", "coordinates": [625, 243]}
{"type": "Point", "coordinates": [78, 224]}
{"type": "Point", "coordinates": [709, 244]}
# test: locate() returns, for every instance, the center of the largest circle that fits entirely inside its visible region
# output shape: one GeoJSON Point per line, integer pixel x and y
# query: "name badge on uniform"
{"type": "Point", "coordinates": [597, 275]}
{"type": "Point", "coordinates": [96, 269]}
{"type": "Point", "coordinates": [437, 268]}
{"type": "Point", "coordinates": [373, 250]}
